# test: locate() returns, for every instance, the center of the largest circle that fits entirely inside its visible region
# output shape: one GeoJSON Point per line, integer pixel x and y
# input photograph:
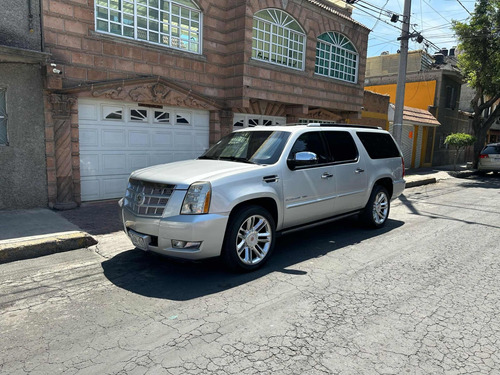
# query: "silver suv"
{"type": "Point", "coordinates": [257, 182]}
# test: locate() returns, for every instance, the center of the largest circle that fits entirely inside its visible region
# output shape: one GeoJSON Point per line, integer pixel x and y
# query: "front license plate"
{"type": "Point", "coordinates": [141, 241]}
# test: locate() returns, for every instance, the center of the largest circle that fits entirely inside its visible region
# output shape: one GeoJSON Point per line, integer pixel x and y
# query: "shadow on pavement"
{"type": "Point", "coordinates": [96, 218]}
{"type": "Point", "coordinates": [154, 276]}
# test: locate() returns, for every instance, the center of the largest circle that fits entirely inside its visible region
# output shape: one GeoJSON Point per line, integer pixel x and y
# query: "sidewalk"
{"type": "Point", "coordinates": [32, 233]}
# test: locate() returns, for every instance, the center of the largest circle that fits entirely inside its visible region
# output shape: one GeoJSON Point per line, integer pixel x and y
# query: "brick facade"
{"type": "Point", "coordinates": [224, 76]}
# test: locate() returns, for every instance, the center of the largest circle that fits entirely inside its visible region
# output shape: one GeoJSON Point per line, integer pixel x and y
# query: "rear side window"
{"type": "Point", "coordinates": [379, 145]}
{"type": "Point", "coordinates": [342, 146]}
{"type": "Point", "coordinates": [491, 149]}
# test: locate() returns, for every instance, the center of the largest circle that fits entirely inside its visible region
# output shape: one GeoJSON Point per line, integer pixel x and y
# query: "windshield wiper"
{"type": "Point", "coordinates": [207, 157]}
{"type": "Point", "coordinates": [238, 159]}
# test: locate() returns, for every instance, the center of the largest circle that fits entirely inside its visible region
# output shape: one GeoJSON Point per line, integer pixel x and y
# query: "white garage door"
{"type": "Point", "coordinates": [117, 138]}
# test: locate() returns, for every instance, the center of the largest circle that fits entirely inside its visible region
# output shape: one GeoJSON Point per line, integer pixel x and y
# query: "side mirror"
{"type": "Point", "coordinates": [302, 159]}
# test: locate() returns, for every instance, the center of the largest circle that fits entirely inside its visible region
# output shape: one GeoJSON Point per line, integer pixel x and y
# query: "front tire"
{"type": "Point", "coordinates": [377, 209]}
{"type": "Point", "coordinates": [249, 239]}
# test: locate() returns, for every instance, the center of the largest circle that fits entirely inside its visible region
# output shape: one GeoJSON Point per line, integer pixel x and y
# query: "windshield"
{"type": "Point", "coordinates": [259, 147]}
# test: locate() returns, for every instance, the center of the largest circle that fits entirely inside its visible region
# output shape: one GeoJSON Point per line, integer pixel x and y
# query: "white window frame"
{"type": "Point", "coordinates": [121, 18]}
{"type": "Point", "coordinates": [275, 42]}
{"type": "Point", "coordinates": [3, 117]}
{"type": "Point", "coordinates": [335, 55]}
{"type": "Point", "coordinates": [248, 120]}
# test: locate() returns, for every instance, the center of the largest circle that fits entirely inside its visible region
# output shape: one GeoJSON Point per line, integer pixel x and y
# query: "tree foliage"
{"type": "Point", "coordinates": [459, 141]}
{"type": "Point", "coordinates": [479, 61]}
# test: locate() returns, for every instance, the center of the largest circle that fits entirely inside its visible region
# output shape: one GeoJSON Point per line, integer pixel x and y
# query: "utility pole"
{"type": "Point", "coordinates": [403, 59]}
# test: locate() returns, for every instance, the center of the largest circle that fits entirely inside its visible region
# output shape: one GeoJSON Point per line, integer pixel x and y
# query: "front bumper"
{"type": "Point", "coordinates": [209, 229]}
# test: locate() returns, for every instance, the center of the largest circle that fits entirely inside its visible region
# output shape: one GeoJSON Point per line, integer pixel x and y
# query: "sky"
{"type": "Point", "coordinates": [430, 17]}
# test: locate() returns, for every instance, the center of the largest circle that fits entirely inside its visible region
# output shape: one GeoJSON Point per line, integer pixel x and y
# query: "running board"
{"type": "Point", "coordinates": [317, 223]}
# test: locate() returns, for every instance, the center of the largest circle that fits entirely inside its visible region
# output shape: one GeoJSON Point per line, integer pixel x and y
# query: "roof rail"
{"type": "Point", "coordinates": [336, 125]}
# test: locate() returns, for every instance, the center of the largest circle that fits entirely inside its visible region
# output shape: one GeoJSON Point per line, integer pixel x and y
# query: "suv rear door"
{"type": "Point", "coordinates": [349, 169]}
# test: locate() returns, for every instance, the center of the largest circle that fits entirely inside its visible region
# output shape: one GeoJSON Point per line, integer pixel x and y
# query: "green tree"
{"type": "Point", "coordinates": [459, 141]}
{"type": "Point", "coordinates": [479, 61]}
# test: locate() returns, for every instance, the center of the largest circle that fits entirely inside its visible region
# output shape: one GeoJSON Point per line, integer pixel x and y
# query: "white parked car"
{"type": "Point", "coordinates": [489, 159]}
{"type": "Point", "coordinates": [257, 182]}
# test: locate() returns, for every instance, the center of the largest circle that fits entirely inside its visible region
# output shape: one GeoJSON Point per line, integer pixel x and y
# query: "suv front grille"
{"type": "Point", "coordinates": [147, 198]}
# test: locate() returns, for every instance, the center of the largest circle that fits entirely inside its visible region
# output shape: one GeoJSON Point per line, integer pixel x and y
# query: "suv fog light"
{"type": "Point", "coordinates": [189, 245]}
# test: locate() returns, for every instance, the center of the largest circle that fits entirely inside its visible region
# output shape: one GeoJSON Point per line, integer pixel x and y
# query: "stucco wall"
{"type": "Point", "coordinates": [17, 28]}
{"type": "Point", "coordinates": [22, 163]}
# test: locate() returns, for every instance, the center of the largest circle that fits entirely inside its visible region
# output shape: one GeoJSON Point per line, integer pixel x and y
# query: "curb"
{"type": "Point", "coordinates": [37, 247]}
{"type": "Point", "coordinates": [425, 181]}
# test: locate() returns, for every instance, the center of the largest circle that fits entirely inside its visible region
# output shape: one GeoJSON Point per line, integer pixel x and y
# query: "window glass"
{"type": "Point", "coordinates": [112, 113]}
{"type": "Point", "coordinates": [341, 145]}
{"type": "Point", "coordinates": [138, 115]}
{"type": "Point", "coordinates": [493, 149]}
{"type": "Point", "coordinates": [261, 147]}
{"type": "Point", "coordinates": [451, 97]}
{"type": "Point", "coordinates": [278, 39]}
{"type": "Point", "coordinates": [162, 117]}
{"type": "Point", "coordinates": [176, 24]}
{"type": "Point", "coordinates": [310, 142]}
{"type": "Point", "coordinates": [3, 118]}
{"type": "Point", "coordinates": [336, 57]}
{"type": "Point", "coordinates": [379, 145]}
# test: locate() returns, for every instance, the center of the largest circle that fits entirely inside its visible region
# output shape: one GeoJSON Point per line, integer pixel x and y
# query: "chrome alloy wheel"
{"type": "Point", "coordinates": [254, 239]}
{"type": "Point", "coordinates": [380, 207]}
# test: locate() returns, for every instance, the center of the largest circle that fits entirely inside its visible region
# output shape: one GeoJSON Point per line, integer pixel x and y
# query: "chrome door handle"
{"type": "Point", "coordinates": [359, 170]}
{"type": "Point", "coordinates": [326, 175]}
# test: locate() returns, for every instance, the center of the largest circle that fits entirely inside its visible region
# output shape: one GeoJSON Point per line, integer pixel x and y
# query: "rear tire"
{"type": "Point", "coordinates": [377, 209]}
{"type": "Point", "coordinates": [249, 239]}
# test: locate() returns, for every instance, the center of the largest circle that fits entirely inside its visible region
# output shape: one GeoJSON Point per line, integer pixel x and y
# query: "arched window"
{"type": "Point", "coordinates": [336, 57]}
{"type": "Point", "coordinates": [278, 39]}
{"type": "Point", "coordinates": [176, 24]}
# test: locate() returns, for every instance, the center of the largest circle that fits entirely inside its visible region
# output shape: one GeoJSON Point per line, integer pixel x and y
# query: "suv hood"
{"type": "Point", "coordinates": [184, 173]}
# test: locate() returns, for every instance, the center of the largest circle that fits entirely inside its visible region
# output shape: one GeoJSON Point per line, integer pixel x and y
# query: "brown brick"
{"type": "Point", "coordinates": [132, 53]}
{"type": "Point", "coordinates": [96, 75]}
{"type": "Point", "coordinates": [82, 58]}
{"type": "Point", "coordinates": [51, 162]}
{"type": "Point", "coordinates": [167, 60]}
{"type": "Point", "coordinates": [49, 133]}
{"type": "Point", "coordinates": [116, 76]}
{"type": "Point", "coordinates": [61, 8]}
{"type": "Point", "coordinates": [49, 148]}
{"type": "Point", "coordinates": [76, 27]}
{"type": "Point", "coordinates": [159, 70]}
{"type": "Point", "coordinates": [150, 57]}
{"type": "Point", "coordinates": [69, 41]}
{"type": "Point", "coordinates": [60, 56]}
{"type": "Point", "coordinates": [74, 72]}
{"type": "Point", "coordinates": [50, 37]}
{"type": "Point", "coordinates": [104, 62]}
{"type": "Point", "coordinates": [142, 68]}
{"type": "Point", "coordinates": [112, 49]}
{"type": "Point", "coordinates": [53, 22]}
{"type": "Point", "coordinates": [91, 45]}
{"type": "Point", "coordinates": [85, 14]}
{"type": "Point", "coordinates": [125, 65]}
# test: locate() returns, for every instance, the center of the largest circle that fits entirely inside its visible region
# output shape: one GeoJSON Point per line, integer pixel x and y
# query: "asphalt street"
{"type": "Point", "coordinates": [420, 296]}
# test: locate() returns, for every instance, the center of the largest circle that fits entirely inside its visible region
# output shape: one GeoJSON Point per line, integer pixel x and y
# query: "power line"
{"type": "Point", "coordinates": [467, 10]}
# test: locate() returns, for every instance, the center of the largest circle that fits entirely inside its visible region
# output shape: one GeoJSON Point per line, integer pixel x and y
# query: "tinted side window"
{"type": "Point", "coordinates": [342, 146]}
{"type": "Point", "coordinates": [379, 145]}
{"type": "Point", "coordinates": [493, 149]}
{"type": "Point", "coordinates": [310, 142]}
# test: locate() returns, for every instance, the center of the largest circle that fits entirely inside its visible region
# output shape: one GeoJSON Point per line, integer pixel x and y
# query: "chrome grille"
{"type": "Point", "coordinates": [147, 198]}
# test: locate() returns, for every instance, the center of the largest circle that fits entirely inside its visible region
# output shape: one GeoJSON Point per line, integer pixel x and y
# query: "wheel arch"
{"type": "Point", "coordinates": [386, 182]}
{"type": "Point", "coordinates": [268, 203]}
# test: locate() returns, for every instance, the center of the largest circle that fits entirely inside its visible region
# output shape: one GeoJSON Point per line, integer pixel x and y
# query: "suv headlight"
{"type": "Point", "coordinates": [197, 199]}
